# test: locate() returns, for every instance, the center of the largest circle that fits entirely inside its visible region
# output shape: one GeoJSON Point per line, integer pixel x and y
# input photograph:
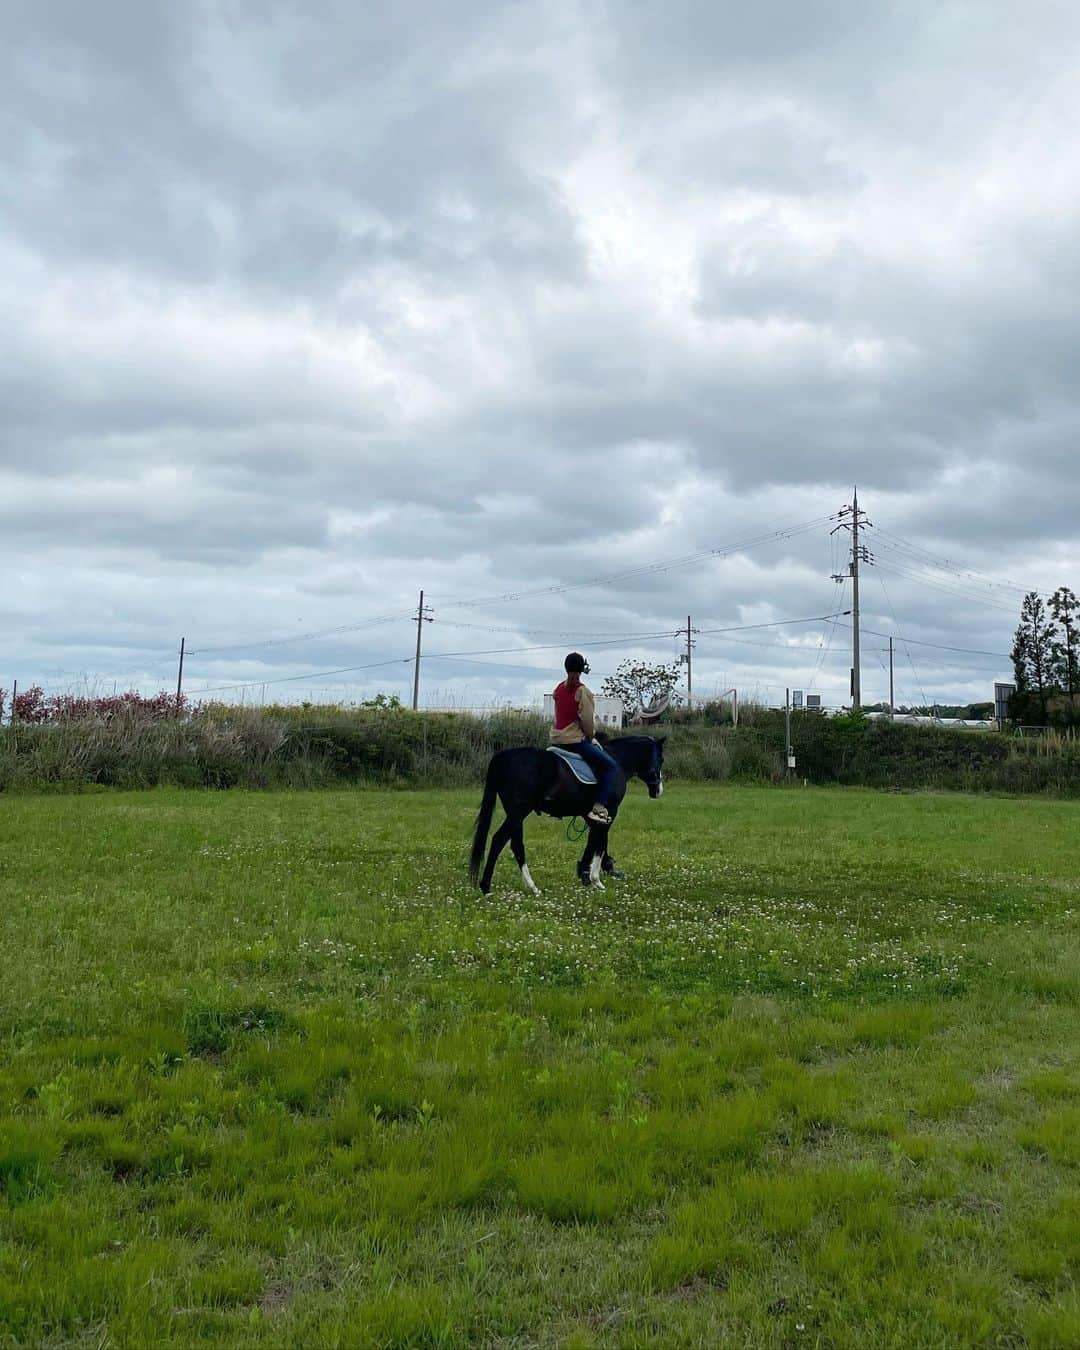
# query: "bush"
{"type": "Point", "coordinates": [220, 747]}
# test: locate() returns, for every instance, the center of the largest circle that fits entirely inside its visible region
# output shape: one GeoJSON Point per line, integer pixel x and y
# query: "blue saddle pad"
{"type": "Point", "coordinates": [581, 770]}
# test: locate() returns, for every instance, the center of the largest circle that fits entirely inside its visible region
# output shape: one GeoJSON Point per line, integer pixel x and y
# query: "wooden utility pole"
{"type": "Point", "coordinates": [689, 664]}
{"type": "Point", "coordinates": [180, 677]}
{"type": "Point", "coordinates": [423, 616]}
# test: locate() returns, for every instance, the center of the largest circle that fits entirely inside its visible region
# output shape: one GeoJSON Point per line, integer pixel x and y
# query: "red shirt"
{"type": "Point", "coordinates": [566, 704]}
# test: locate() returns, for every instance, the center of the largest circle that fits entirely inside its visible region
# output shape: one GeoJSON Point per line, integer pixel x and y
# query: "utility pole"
{"type": "Point", "coordinates": [851, 518]}
{"type": "Point", "coordinates": [14, 699]}
{"type": "Point", "coordinates": [892, 706]}
{"type": "Point", "coordinates": [180, 677]}
{"type": "Point", "coordinates": [687, 658]}
{"type": "Point", "coordinates": [423, 616]}
{"type": "Point", "coordinates": [689, 664]}
{"type": "Point", "coordinates": [788, 751]}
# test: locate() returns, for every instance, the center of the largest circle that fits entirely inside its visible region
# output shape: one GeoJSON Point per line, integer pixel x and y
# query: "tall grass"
{"type": "Point", "coordinates": [220, 746]}
{"type": "Point", "coordinates": [234, 747]}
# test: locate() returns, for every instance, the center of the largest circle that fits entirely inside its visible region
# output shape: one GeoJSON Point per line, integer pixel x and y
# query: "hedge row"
{"type": "Point", "coordinates": [310, 748]}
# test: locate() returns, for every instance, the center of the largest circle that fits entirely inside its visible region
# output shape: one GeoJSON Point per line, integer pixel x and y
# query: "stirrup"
{"type": "Point", "coordinates": [599, 815]}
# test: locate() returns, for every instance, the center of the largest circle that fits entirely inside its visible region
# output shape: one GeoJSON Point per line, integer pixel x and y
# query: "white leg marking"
{"type": "Point", "coordinates": [660, 788]}
{"type": "Point", "coordinates": [594, 872]}
{"type": "Point", "coordinates": [528, 879]}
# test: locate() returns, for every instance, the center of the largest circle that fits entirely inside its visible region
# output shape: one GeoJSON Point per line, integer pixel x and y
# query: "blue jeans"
{"type": "Point", "coordinates": [602, 764]}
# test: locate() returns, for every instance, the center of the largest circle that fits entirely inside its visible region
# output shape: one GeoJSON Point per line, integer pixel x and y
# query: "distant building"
{"type": "Point", "coordinates": [609, 711]}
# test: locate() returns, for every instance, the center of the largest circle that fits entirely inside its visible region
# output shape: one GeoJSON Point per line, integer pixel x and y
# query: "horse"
{"type": "Point", "coordinates": [527, 779]}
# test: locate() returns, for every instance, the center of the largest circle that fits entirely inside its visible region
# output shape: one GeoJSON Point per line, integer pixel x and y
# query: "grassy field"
{"type": "Point", "coordinates": [273, 1074]}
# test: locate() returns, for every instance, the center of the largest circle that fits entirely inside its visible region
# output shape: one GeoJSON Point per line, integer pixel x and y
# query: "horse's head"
{"type": "Point", "coordinates": [652, 771]}
{"type": "Point", "coordinates": [640, 757]}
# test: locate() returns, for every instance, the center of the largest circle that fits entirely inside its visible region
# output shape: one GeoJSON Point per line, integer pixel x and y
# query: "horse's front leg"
{"type": "Point", "coordinates": [608, 868]}
{"type": "Point", "coordinates": [593, 857]}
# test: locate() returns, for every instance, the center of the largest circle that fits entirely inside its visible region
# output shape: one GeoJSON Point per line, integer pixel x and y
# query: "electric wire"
{"type": "Point", "coordinates": [302, 637]}
{"type": "Point", "coordinates": [943, 588]}
{"type": "Point", "coordinates": [645, 569]}
{"type": "Point", "coordinates": [658, 567]}
{"type": "Point", "coordinates": [896, 621]}
{"type": "Point", "coordinates": [948, 564]}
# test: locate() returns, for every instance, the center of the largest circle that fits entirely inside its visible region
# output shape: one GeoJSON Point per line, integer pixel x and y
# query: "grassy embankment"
{"type": "Point", "coordinates": [297, 747]}
{"type": "Point", "coordinates": [274, 1074]}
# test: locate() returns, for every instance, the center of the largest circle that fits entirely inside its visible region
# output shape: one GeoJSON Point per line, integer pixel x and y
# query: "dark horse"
{"type": "Point", "coordinates": [526, 779]}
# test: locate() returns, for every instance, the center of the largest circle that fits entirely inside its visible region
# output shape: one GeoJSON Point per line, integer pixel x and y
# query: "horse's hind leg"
{"type": "Point", "coordinates": [517, 845]}
{"type": "Point", "coordinates": [498, 843]}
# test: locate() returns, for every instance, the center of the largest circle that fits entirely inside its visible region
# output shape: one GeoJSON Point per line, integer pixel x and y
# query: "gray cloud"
{"type": "Point", "coordinates": [308, 308]}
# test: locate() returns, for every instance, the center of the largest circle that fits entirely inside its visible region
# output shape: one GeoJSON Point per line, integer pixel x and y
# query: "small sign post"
{"type": "Point", "coordinates": [1002, 694]}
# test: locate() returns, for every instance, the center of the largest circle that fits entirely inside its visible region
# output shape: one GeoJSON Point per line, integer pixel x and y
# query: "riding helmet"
{"type": "Point", "coordinates": [576, 663]}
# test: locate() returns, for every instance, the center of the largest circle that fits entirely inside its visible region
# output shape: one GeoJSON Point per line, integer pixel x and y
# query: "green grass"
{"type": "Point", "coordinates": [273, 1074]}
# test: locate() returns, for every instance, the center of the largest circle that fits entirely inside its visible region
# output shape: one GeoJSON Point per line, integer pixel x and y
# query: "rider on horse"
{"type": "Point", "coordinates": [574, 729]}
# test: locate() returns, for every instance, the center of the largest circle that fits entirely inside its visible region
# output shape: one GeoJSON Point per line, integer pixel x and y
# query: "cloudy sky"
{"type": "Point", "coordinates": [306, 307]}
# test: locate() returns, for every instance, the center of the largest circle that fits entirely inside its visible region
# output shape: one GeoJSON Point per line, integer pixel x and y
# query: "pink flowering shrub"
{"type": "Point", "coordinates": [33, 706]}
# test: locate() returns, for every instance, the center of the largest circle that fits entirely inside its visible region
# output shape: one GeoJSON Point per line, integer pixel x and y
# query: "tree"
{"type": "Point", "coordinates": [1033, 659]}
{"type": "Point", "coordinates": [637, 683]}
{"type": "Point", "coordinates": [1065, 650]}
{"type": "Point", "coordinates": [382, 702]}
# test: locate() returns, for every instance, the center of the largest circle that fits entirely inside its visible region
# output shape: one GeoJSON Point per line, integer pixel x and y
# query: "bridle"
{"type": "Point", "coordinates": [654, 778]}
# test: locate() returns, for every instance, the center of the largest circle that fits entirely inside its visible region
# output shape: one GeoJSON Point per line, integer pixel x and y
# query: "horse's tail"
{"type": "Point", "coordinates": [483, 823]}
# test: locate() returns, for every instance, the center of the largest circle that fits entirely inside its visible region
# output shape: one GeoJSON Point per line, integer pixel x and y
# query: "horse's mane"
{"type": "Point", "coordinates": [637, 742]}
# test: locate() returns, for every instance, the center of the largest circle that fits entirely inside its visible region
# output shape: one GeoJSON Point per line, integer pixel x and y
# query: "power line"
{"type": "Point", "coordinates": [313, 675]}
{"type": "Point", "coordinates": [397, 660]}
{"type": "Point", "coordinates": [495, 665]}
{"type": "Point", "coordinates": [824, 647]}
{"type": "Point", "coordinates": [777, 623]}
{"type": "Point", "coordinates": [896, 621]}
{"type": "Point", "coordinates": [577, 635]}
{"type": "Point", "coordinates": [663, 565]}
{"type": "Point", "coordinates": [301, 637]}
{"type": "Point", "coordinates": [927, 558]}
{"type": "Point", "coordinates": [483, 651]}
{"type": "Point", "coordinates": [826, 640]}
{"type": "Point", "coordinates": [946, 588]}
{"type": "Point", "coordinates": [645, 569]}
{"type": "Point", "coordinates": [940, 646]}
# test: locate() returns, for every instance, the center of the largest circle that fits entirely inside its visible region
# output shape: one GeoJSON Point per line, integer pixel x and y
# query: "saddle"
{"type": "Point", "coordinates": [581, 771]}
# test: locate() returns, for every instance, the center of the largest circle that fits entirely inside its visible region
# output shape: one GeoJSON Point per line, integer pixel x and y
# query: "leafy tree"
{"type": "Point", "coordinates": [383, 702]}
{"type": "Point", "coordinates": [637, 683]}
{"type": "Point", "coordinates": [1065, 650]}
{"type": "Point", "coordinates": [1033, 659]}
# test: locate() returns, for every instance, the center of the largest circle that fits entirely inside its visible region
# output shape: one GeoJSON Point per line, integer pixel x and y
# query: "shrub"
{"type": "Point", "coordinates": [220, 746]}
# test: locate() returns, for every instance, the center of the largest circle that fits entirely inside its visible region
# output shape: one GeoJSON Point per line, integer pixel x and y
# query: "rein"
{"type": "Point", "coordinates": [575, 827]}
